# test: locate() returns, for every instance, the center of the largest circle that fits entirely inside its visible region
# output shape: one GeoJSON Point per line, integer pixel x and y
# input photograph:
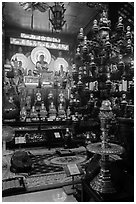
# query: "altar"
{"type": "Point", "coordinates": [46, 78]}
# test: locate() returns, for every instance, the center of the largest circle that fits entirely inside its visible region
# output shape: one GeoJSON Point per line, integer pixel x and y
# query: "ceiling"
{"type": "Point", "coordinates": [77, 15]}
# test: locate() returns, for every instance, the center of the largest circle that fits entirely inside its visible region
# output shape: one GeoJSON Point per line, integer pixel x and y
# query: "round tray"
{"type": "Point", "coordinates": [111, 149]}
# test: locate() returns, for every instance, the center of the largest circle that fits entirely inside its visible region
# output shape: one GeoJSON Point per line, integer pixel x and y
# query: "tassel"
{"type": "Point", "coordinates": [32, 16]}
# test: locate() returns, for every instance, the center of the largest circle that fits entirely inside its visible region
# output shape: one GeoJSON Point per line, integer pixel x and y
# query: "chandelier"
{"type": "Point", "coordinates": [107, 56]}
{"type": "Point", "coordinates": [104, 62]}
{"type": "Point", "coordinates": [56, 16]}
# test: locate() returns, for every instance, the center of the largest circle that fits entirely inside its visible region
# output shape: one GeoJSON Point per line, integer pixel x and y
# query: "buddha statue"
{"type": "Point", "coordinates": [43, 112]}
{"type": "Point", "coordinates": [43, 63]}
{"type": "Point", "coordinates": [34, 114]}
{"type": "Point", "coordinates": [61, 98]}
{"type": "Point", "coordinates": [68, 113]}
{"type": "Point", "coordinates": [23, 114]}
{"type": "Point", "coordinates": [10, 109]}
{"type": "Point", "coordinates": [38, 100]}
{"type": "Point", "coordinates": [52, 112]}
{"type": "Point", "coordinates": [28, 103]}
{"type": "Point", "coordinates": [50, 97]}
{"type": "Point", "coordinates": [61, 111]}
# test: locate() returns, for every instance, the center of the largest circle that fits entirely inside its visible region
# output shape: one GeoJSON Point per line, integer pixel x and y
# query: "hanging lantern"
{"type": "Point", "coordinates": [104, 26]}
{"type": "Point", "coordinates": [120, 26]}
{"type": "Point", "coordinates": [80, 36]}
{"type": "Point", "coordinates": [56, 16]}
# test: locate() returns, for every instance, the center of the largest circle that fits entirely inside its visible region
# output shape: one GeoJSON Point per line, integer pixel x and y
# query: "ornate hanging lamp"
{"type": "Point", "coordinates": [56, 16]}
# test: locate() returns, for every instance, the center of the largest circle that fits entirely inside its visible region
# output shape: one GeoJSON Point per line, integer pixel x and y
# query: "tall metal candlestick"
{"type": "Point", "coordinates": [103, 183]}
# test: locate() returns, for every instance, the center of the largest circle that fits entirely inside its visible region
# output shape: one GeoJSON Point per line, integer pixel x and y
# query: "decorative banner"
{"type": "Point", "coordinates": [35, 43]}
{"type": "Point", "coordinates": [60, 61]}
{"type": "Point", "coordinates": [21, 57]}
{"type": "Point", "coordinates": [36, 52]}
{"type": "Point", "coordinates": [39, 37]}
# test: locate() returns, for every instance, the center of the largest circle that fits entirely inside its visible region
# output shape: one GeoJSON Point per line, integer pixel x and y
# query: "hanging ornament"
{"type": "Point", "coordinates": [120, 26]}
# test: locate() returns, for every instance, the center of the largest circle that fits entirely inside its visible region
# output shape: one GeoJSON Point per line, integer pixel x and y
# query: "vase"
{"type": "Point", "coordinates": [10, 110]}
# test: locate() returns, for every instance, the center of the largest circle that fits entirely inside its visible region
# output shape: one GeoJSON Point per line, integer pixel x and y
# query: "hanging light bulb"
{"type": "Point", "coordinates": [80, 36]}
{"type": "Point", "coordinates": [85, 48]}
{"type": "Point", "coordinates": [129, 47]}
{"type": "Point", "coordinates": [104, 25]}
{"type": "Point", "coordinates": [107, 43]}
{"type": "Point", "coordinates": [128, 33]}
{"type": "Point", "coordinates": [95, 27]}
{"type": "Point", "coordinates": [80, 84]}
{"type": "Point", "coordinates": [120, 26]}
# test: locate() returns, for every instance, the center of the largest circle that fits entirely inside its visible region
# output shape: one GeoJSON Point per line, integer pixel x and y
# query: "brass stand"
{"type": "Point", "coordinates": [102, 183]}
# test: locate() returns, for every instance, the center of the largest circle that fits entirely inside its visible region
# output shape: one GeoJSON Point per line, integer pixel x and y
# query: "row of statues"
{"type": "Point", "coordinates": [39, 111]}
{"type": "Point", "coordinates": [41, 66]}
{"type": "Point", "coordinates": [42, 114]}
{"type": "Point", "coordinates": [56, 106]}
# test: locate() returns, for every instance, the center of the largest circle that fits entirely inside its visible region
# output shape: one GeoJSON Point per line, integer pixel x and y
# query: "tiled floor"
{"type": "Point", "coordinates": [55, 195]}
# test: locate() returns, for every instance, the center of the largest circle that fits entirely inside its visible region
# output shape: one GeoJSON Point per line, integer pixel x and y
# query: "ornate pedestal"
{"type": "Point", "coordinates": [102, 182]}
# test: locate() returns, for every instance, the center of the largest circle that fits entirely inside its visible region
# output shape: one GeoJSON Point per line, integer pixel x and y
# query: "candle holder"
{"type": "Point", "coordinates": [102, 182]}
